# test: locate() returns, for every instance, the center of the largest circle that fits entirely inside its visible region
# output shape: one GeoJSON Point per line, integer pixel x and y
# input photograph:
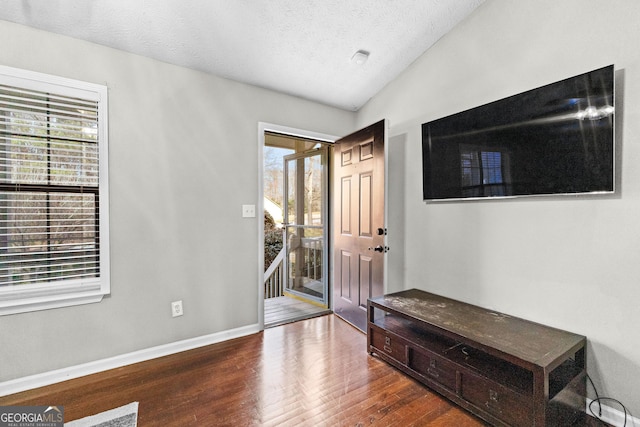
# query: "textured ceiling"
{"type": "Point", "coordinates": [302, 48]}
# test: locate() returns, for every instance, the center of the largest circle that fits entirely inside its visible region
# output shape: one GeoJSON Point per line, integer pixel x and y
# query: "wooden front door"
{"type": "Point", "coordinates": [358, 222]}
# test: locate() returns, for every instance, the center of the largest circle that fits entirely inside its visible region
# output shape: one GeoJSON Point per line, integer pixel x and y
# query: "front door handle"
{"type": "Point", "coordinates": [380, 248]}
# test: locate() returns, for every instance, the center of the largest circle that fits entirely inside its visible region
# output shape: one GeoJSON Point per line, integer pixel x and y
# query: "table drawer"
{"type": "Point", "coordinates": [508, 405]}
{"type": "Point", "coordinates": [433, 367]}
{"type": "Point", "coordinates": [388, 344]}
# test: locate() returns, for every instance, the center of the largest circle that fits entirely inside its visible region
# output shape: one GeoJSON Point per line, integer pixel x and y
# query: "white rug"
{"type": "Point", "coordinates": [124, 416]}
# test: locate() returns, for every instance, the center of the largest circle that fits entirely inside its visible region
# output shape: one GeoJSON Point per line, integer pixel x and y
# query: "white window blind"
{"type": "Point", "coordinates": [52, 230]}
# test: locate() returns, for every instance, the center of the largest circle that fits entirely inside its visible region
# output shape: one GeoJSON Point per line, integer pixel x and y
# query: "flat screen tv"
{"type": "Point", "coordinates": [556, 139]}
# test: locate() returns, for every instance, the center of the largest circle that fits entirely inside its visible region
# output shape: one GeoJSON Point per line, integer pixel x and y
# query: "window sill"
{"type": "Point", "coordinates": [19, 299]}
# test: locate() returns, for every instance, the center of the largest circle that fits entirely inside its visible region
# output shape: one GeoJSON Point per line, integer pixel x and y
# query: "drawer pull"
{"type": "Point", "coordinates": [387, 345]}
{"type": "Point", "coordinates": [432, 369]}
{"type": "Point", "coordinates": [493, 403]}
{"type": "Point", "coordinates": [492, 406]}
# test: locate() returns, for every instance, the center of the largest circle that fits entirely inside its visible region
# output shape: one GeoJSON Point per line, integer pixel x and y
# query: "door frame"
{"type": "Point", "coordinates": [286, 130]}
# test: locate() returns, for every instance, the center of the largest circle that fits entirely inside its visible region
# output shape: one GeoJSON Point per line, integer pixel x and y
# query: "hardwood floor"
{"type": "Point", "coordinates": [316, 372]}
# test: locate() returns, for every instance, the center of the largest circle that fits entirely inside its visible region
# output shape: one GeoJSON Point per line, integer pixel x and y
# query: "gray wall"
{"type": "Point", "coordinates": [179, 137]}
{"type": "Point", "coordinates": [570, 262]}
{"type": "Point", "coordinates": [183, 159]}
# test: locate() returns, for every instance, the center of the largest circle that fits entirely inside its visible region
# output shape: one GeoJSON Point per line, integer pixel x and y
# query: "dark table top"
{"type": "Point", "coordinates": [529, 341]}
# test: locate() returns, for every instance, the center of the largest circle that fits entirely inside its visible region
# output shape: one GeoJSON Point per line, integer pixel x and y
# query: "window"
{"type": "Point", "coordinates": [54, 238]}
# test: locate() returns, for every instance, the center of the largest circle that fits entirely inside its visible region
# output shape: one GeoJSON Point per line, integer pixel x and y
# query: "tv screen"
{"type": "Point", "coordinates": [556, 139]}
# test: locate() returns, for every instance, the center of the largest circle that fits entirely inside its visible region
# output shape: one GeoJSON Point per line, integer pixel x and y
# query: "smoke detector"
{"type": "Point", "coordinates": [360, 57]}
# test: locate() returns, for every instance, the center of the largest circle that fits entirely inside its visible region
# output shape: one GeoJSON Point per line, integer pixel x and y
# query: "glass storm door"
{"type": "Point", "coordinates": [305, 216]}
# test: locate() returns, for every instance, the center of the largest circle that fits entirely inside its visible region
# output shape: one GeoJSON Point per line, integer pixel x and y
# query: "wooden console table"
{"type": "Point", "coordinates": [506, 370]}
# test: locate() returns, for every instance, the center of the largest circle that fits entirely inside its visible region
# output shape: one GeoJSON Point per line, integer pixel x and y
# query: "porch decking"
{"type": "Point", "coordinates": [281, 310]}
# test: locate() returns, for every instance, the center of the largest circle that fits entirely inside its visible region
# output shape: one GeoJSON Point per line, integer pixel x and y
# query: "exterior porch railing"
{"type": "Point", "coordinates": [312, 267]}
{"type": "Point", "coordinates": [274, 277]}
{"type": "Point", "coordinates": [274, 280]}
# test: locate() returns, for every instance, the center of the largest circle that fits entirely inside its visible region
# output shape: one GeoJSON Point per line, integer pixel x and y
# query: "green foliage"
{"type": "Point", "coordinates": [272, 240]}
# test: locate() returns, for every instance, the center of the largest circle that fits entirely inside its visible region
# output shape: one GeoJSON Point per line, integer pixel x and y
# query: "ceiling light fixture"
{"type": "Point", "coordinates": [360, 57]}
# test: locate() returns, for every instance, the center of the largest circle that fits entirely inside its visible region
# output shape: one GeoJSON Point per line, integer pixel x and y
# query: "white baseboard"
{"type": "Point", "coordinates": [59, 375]}
{"type": "Point", "coordinates": [613, 416]}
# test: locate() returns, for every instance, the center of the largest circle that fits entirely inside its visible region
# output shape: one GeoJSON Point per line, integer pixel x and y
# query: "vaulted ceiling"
{"type": "Point", "coordinates": [299, 47]}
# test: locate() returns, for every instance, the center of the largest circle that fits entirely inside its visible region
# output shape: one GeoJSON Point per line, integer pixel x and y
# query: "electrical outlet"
{"type": "Point", "coordinates": [176, 309]}
{"type": "Point", "coordinates": [248, 211]}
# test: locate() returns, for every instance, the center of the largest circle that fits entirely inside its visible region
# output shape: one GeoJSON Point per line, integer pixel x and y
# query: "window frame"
{"type": "Point", "coordinates": [41, 296]}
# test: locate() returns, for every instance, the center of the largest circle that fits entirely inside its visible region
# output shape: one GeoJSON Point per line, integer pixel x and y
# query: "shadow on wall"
{"type": "Point", "coordinates": [396, 191]}
{"type": "Point", "coordinates": [599, 354]}
{"type": "Point", "coordinates": [618, 125]}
